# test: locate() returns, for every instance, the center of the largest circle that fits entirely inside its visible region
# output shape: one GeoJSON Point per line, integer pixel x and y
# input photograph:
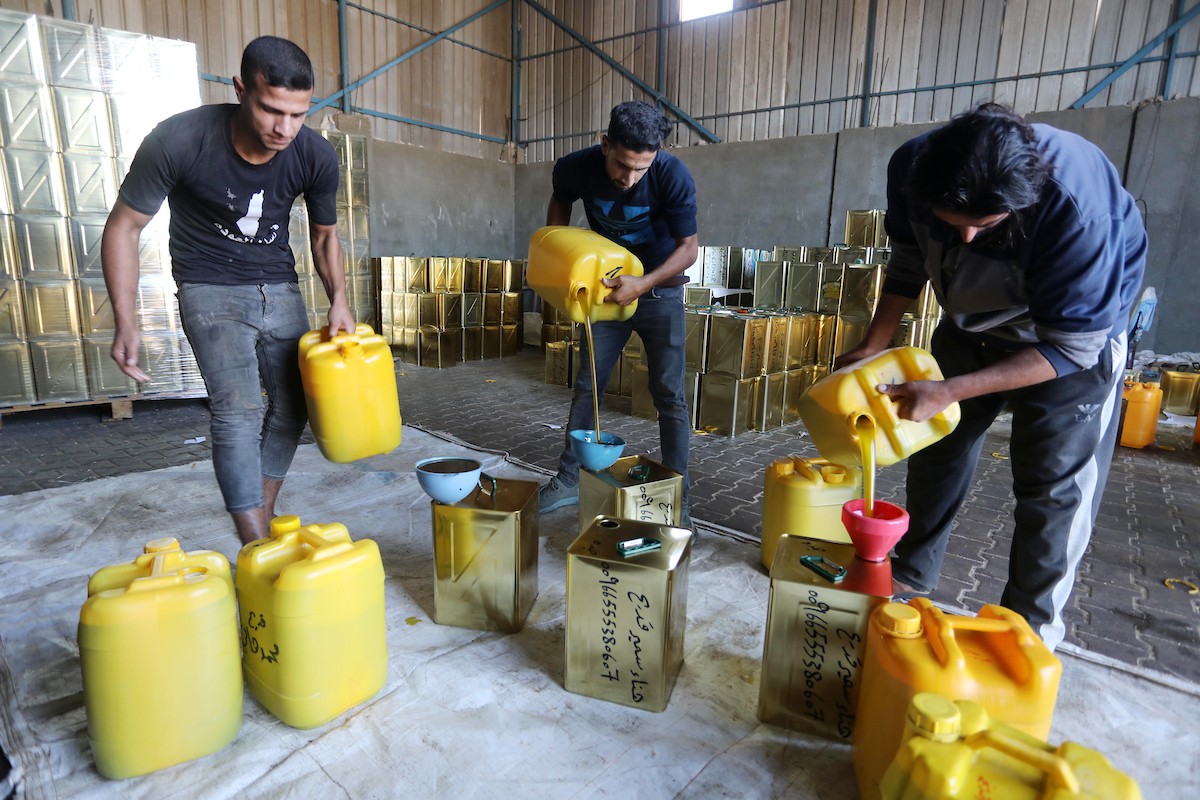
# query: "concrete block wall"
{"type": "Point", "coordinates": [797, 191]}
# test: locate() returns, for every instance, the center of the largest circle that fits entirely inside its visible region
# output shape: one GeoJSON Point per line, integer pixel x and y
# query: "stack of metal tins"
{"type": "Point", "coordinates": [73, 112]}
{"type": "Point", "coordinates": [439, 310]}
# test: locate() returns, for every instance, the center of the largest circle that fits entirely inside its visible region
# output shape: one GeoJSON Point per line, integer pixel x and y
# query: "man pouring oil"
{"type": "Point", "coordinates": [643, 198]}
{"type": "Point", "coordinates": [1036, 253]}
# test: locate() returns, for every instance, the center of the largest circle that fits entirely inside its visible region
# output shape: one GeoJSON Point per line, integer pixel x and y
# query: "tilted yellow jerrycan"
{"type": "Point", "coordinates": [954, 750]}
{"type": "Point", "coordinates": [833, 405]}
{"type": "Point", "coordinates": [161, 664]}
{"type": "Point", "coordinates": [312, 621]}
{"type": "Point", "coordinates": [566, 268]}
{"type": "Point", "coordinates": [350, 388]}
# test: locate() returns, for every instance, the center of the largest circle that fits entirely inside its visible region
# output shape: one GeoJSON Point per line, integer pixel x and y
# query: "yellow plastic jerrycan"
{"type": "Point", "coordinates": [994, 659]}
{"type": "Point", "coordinates": [831, 407]}
{"type": "Point", "coordinates": [953, 750]}
{"type": "Point", "coordinates": [350, 388]}
{"type": "Point", "coordinates": [566, 266]}
{"type": "Point", "coordinates": [804, 497]}
{"type": "Point", "coordinates": [312, 621]}
{"type": "Point", "coordinates": [1141, 415]}
{"type": "Point", "coordinates": [161, 663]}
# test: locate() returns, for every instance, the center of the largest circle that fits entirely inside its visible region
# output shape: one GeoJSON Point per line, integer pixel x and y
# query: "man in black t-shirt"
{"type": "Point", "coordinates": [644, 198]}
{"type": "Point", "coordinates": [230, 174]}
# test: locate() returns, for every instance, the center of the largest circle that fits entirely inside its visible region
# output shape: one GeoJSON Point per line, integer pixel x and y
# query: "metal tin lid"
{"type": "Point", "coordinates": [899, 619]}
{"type": "Point", "coordinates": [934, 717]}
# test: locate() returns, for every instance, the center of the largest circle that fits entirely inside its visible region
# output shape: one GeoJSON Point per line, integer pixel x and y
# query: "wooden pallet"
{"type": "Point", "coordinates": [119, 408]}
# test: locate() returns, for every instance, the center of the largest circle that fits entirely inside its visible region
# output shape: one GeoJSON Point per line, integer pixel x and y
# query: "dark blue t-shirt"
{"type": "Point", "coordinates": [647, 219]}
{"type": "Point", "coordinates": [229, 218]}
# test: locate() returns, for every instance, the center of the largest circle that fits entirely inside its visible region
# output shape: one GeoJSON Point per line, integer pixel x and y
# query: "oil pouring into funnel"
{"type": "Point", "coordinates": [852, 422]}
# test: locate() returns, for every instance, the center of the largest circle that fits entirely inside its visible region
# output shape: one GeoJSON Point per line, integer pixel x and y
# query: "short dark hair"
{"type": "Point", "coordinates": [638, 126]}
{"type": "Point", "coordinates": [280, 62]}
{"type": "Point", "coordinates": [983, 162]}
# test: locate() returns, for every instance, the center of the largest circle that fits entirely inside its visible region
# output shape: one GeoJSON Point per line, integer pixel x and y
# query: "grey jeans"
{"type": "Point", "coordinates": [245, 339]}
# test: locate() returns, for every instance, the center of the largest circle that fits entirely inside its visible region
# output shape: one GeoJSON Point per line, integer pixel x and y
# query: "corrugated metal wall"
{"type": "Point", "coordinates": [794, 67]}
{"type": "Point", "coordinates": [767, 69]}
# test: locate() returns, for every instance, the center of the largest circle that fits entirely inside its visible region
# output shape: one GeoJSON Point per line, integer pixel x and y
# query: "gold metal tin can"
{"type": "Point", "coordinates": [634, 487]}
{"type": "Point", "coordinates": [439, 348]}
{"type": "Point", "coordinates": [510, 340]}
{"type": "Point", "coordinates": [770, 399]}
{"type": "Point", "coordinates": [72, 53]}
{"type": "Point", "coordinates": [726, 404]}
{"type": "Point", "coordinates": [792, 254]}
{"type": "Point", "coordinates": [485, 551]}
{"type": "Point", "coordinates": [492, 340]}
{"type": "Point", "coordinates": [737, 345]}
{"type": "Point", "coordinates": [59, 372]}
{"type": "Point", "coordinates": [428, 307]}
{"type": "Point", "coordinates": [104, 377]}
{"type": "Point", "coordinates": [1180, 392]}
{"type": "Point", "coordinates": [415, 274]}
{"type": "Point", "coordinates": [779, 332]}
{"type": "Point", "coordinates": [825, 328]}
{"type": "Point", "coordinates": [697, 296]}
{"type": "Point", "coordinates": [437, 273]}
{"type": "Point", "coordinates": [95, 310]}
{"type": "Point", "coordinates": [626, 611]}
{"type": "Point", "coordinates": [454, 279]}
{"type": "Point", "coordinates": [798, 381]}
{"type": "Point", "coordinates": [613, 385]}
{"type": "Point", "coordinates": [829, 291]}
{"type": "Point", "coordinates": [815, 633]}
{"type": "Point", "coordinates": [10, 264]}
{"type": "Point", "coordinates": [629, 362]}
{"type": "Point", "coordinates": [770, 283]}
{"type": "Point", "coordinates": [495, 275]}
{"type": "Point", "coordinates": [802, 340]}
{"type": "Point", "coordinates": [802, 286]}
{"type": "Point", "coordinates": [450, 313]}
{"type": "Point", "coordinates": [550, 315]}
{"type": "Point", "coordinates": [385, 270]}
{"type": "Point", "coordinates": [162, 358]}
{"type": "Point", "coordinates": [641, 401]}
{"type": "Point", "coordinates": [50, 308]}
{"type": "Point", "coordinates": [27, 117]}
{"type": "Point", "coordinates": [472, 341]}
{"type": "Point", "coordinates": [473, 274]}
{"type": "Point", "coordinates": [493, 305]}
{"type": "Point", "coordinates": [849, 332]}
{"type": "Point", "coordinates": [514, 275]}
{"type": "Point", "coordinates": [510, 308]}
{"type": "Point", "coordinates": [472, 310]}
{"type": "Point", "coordinates": [691, 390]}
{"type": "Point", "coordinates": [35, 181]}
{"type": "Point", "coordinates": [861, 226]}
{"type": "Point", "coordinates": [861, 285]}
{"type": "Point", "coordinates": [715, 271]}
{"type": "Point", "coordinates": [695, 344]}
{"type": "Point", "coordinates": [12, 318]}
{"type": "Point", "coordinates": [558, 364]}
{"type": "Point", "coordinates": [16, 374]}
{"type": "Point", "coordinates": [853, 255]}
{"type": "Point", "coordinates": [43, 247]}
{"type": "Point", "coordinates": [83, 121]}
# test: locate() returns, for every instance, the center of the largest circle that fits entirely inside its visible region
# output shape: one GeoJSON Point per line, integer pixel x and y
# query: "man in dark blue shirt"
{"type": "Point", "coordinates": [1036, 253]}
{"type": "Point", "coordinates": [643, 198]}
{"type": "Point", "coordinates": [230, 174]}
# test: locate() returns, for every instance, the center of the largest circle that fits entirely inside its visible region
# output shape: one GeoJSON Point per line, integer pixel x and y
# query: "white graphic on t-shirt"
{"type": "Point", "coordinates": [248, 224]}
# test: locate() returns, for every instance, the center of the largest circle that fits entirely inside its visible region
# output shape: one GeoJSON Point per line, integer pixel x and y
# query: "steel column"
{"type": "Point", "coordinates": [1164, 90]}
{"type": "Point", "coordinates": [514, 122]}
{"type": "Point", "coordinates": [343, 56]}
{"type": "Point", "coordinates": [868, 59]}
{"type": "Point", "coordinates": [1134, 59]}
{"type": "Point", "coordinates": [620, 68]}
{"type": "Point", "coordinates": [370, 76]}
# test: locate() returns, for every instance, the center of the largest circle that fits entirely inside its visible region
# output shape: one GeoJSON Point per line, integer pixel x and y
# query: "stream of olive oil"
{"type": "Point", "coordinates": [587, 327]}
{"type": "Point", "coordinates": [864, 431]}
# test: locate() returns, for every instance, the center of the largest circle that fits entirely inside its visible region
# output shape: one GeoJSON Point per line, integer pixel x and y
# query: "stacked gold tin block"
{"type": "Point", "coordinates": [73, 110]}
{"type": "Point", "coordinates": [439, 310]}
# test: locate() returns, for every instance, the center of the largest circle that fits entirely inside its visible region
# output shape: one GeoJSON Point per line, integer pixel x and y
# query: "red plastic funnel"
{"type": "Point", "coordinates": [874, 536]}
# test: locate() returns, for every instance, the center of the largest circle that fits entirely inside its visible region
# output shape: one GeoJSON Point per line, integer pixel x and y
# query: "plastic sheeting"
{"type": "Point", "coordinates": [466, 713]}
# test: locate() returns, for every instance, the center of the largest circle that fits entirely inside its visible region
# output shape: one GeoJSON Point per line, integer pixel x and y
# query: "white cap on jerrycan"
{"type": "Point", "coordinates": [567, 267]}
{"type": "Point", "coordinates": [834, 406]}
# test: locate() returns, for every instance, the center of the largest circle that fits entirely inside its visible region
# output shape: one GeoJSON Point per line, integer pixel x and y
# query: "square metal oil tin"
{"type": "Point", "coordinates": [485, 551]}
{"type": "Point", "coordinates": [626, 611]}
{"type": "Point", "coordinates": [726, 404]}
{"type": "Point", "coordinates": [821, 597]}
{"type": "Point", "coordinates": [632, 488]}
{"type": "Point", "coordinates": [737, 344]}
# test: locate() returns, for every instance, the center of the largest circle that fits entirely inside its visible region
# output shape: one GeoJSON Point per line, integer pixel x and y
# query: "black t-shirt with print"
{"type": "Point", "coordinates": [229, 218]}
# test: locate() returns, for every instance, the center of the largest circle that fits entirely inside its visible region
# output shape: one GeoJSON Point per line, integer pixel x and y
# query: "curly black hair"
{"type": "Point", "coordinates": [280, 62]}
{"type": "Point", "coordinates": [637, 125]}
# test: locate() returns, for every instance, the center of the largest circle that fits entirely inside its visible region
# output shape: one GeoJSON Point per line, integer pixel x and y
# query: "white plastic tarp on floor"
{"type": "Point", "coordinates": [466, 713]}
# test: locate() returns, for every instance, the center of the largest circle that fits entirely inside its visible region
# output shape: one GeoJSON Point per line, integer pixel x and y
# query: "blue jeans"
{"type": "Point", "coordinates": [246, 342]}
{"type": "Point", "coordinates": [659, 322]}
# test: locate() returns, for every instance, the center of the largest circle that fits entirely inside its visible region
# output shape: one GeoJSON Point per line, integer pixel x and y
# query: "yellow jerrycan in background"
{"type": "Point", "coordinates": [312, 621]}
{"type": "Point", "coordinates": [955, 751]}
{"type": "Point", "coordinates": [566, 268]}
{"type": "Point", "coordinates": [350, 388]}
{"type": "Point", "coordinates": [833, 406]}
{"type": "Point", "coordinates": [161, 662]}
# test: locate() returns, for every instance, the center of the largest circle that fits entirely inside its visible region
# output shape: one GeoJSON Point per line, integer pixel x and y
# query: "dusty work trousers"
{"type": "Point", "coordinates": [246, 341]}
{"type": "Point", "coordinates": [1063, 433]}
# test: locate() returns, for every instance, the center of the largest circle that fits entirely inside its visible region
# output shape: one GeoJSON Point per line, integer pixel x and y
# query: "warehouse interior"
{"type": "Point", "coordinates": [448, 117]}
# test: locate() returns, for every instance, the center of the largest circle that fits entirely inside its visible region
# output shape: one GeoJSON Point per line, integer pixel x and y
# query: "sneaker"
{"type": "Point", "coordinates": [555, 495]}
{"type": "Point", "coordinates": [901, 591]}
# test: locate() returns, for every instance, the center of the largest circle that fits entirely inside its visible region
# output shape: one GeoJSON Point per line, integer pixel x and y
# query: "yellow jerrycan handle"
{"type": "Point", "coordinates": [1056, 767]}
{"type": "Point", "coordinates": [287, 528]}
{"type": "Point", "coordinates": [163, 575]}
{"type": "Point", "coordinates": [948, 652]}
